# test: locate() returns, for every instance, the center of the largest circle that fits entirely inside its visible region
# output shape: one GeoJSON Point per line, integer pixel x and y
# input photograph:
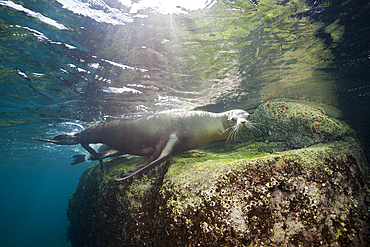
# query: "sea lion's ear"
{"type": "Point", "coordinates": [166, 153]}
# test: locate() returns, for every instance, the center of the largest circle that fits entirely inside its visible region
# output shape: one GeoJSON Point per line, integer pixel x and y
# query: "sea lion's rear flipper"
{"type": "Point", "coordinates": [97, 156]}
{"type": "Point", "coordinates": [60, 140]}
{"type": "Point", "coordinates": [109, 153]}
{"type": "Point", "coordinates": [166, 153]}
{"type": "Point", "coordinates": [79, 158]}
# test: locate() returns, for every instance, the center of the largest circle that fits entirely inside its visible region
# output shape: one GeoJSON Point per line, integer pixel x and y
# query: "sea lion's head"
{"type": "Point", "coordinates": [237, 123]}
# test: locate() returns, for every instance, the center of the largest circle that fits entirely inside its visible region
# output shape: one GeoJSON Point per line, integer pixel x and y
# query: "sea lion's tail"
{"type": "Point", "coordinates": [61, 140]}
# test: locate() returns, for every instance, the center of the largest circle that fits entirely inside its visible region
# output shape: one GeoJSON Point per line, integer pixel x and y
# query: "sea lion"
{"type": "Point", "coordinates": [158, 136]}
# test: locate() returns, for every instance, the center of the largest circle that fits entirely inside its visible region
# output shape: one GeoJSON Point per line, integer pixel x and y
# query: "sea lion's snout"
{"type": "Point", "coordinates": [244, 123]}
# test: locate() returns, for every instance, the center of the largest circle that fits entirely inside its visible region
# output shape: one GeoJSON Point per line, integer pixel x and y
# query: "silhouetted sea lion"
{"type": "Point", "coordinates": [157, 136]}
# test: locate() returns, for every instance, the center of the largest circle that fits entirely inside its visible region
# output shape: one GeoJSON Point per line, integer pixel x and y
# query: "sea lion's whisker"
{"type": "Point", "coordinates": [230, 133]}
{"type": "Point", "coordinates": [233, 134]}
{"type": "Point", "coordinates": [255, 123]}
{"type": "Point", "coordinates": [226, 130]}
{"type": "Point", "coordinates": [228, 137]}
{"type": "Point", "coordinates": [236, 133]}
{"type": "Point", "coordinates": [256, 129]}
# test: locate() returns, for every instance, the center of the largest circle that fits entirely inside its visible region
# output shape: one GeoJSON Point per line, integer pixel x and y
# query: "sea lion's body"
{"type": "Point", "coordinates": [144, 135]}
{"type": "Point", "coordinates": [160, 135]}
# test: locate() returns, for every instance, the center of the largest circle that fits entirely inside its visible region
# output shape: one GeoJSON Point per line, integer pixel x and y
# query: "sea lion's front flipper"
{"type": "Point", "coordinates": [166, 153]}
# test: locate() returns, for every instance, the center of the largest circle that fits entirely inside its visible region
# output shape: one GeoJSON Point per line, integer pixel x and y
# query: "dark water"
{"type": "Point", "coordinates": [64, 67]}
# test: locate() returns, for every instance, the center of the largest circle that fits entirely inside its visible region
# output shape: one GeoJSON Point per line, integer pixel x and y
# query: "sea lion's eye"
{"type": "Point", "coordinates": [233, 120]}
{"type": "Point", "coordinates": [249, 117]}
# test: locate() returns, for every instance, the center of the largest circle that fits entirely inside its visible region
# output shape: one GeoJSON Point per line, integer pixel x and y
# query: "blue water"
{"type": "Point", "coordinates": [36, 181]}
{"type": "Point", "coordinates": [80, 64]}
{"type": "Point", "coordinates": [34, 204]}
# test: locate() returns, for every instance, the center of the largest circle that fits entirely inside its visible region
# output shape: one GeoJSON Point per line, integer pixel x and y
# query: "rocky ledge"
{"type": "Point", "coordinates": [300, 179]}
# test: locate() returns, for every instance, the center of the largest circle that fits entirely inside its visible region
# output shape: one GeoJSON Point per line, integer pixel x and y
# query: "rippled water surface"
{"type": "Point", "coordinates": [67, 64]}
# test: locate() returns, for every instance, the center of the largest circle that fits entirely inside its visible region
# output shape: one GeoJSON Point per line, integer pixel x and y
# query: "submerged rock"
{"type": "Point", "coordinates": [300, 124]}
{"type": "Point", "coordinates": [247, 196]}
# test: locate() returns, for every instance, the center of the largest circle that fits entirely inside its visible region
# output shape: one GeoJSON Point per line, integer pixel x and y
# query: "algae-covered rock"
{"type": "Point", "coordinates": [104, 212]}
{"type": "Point", "coordinates": [300, 124]}
{"type": "Point", "coordinates": [314, 196]}
{"type": "Point", "coordinates": [244, 195]}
